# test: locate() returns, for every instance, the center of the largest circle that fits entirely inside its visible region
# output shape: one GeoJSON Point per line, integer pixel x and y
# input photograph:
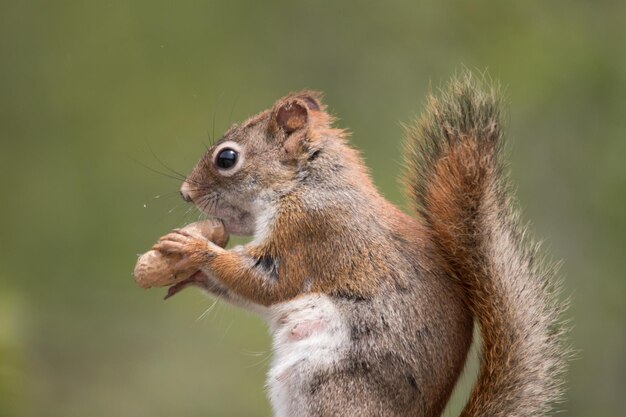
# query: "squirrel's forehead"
{"type": "Point", "coordinates": [250, 134]}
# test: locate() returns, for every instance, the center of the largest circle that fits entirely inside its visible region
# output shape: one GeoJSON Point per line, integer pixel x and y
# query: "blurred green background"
{"type": "Point", "coordinates": [93, 95]}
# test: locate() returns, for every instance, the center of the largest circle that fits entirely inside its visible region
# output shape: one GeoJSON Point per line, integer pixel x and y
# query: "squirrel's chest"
{"type": "Point", "coordinates": [309, 336]}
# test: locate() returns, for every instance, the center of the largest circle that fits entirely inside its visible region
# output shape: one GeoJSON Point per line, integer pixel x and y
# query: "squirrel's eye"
{"type": "Point", "coordinates": [227, 158]}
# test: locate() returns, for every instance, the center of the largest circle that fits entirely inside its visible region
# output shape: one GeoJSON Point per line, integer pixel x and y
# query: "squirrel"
{"type": "Point", "coordinates": [372, 310]}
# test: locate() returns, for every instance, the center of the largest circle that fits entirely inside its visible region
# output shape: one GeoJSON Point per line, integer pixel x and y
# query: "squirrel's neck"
{"type": "Point", "coordinates": [335, 226]}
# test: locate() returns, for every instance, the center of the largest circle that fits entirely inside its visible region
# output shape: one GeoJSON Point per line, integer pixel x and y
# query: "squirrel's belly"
{"type": "Point", "coordinates": [309, 335]}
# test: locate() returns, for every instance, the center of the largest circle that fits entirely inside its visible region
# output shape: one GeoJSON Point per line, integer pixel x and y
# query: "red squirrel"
{"type": "Point", "coordinates": [371, 309]}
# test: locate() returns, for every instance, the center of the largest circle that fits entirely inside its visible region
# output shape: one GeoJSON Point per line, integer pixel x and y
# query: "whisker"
{"type": "Point", "coordinates": [166, 195]}
{"type": "Point", "coordinates": [169, 212]}
{"type": "Point", "coordinates": [164, 165]}
{"type": "Point", "coordinates": [156, 171]}
{"type": "Point", "coordinates": [232, 109]}
{"type": "Point", "coordinates": [208, 310]}
{"type": "Point", "coordinates": [226, 331]}
{"type": "Point", "coordinates": [215, 112]}
{"type": "Point", "coordinates": [186, 215]}
{"type": "Point", "coordinates": [263, 361]}
{"type": "Point", "coordinates": [254, 353]}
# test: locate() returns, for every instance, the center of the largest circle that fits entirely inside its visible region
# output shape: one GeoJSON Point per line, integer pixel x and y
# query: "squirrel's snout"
{"type": "Point", "coordinates": [184, 192]}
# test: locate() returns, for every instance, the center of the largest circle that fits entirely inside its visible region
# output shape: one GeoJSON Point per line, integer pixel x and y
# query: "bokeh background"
{"type": "Point", "coordinates": [97, 96]}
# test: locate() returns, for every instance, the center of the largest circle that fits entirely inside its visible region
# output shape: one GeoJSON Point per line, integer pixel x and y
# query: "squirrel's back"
{"type": "Point", "coordinates": [457, 181]}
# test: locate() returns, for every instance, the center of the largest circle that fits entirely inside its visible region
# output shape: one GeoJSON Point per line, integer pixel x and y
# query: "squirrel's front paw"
{"type": "Point", "coordinates": [195, 250]}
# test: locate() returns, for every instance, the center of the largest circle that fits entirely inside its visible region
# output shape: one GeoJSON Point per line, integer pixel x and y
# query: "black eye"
{"type": "Point", "coordinates": [226, 159]}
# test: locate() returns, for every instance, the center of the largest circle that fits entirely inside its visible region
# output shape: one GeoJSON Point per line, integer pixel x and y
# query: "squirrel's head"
{"type": "Point", "coordinates": [260, 160]}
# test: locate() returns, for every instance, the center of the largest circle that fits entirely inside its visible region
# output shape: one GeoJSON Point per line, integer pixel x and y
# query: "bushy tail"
{"type": "Point", "coordinates": [458, 182]}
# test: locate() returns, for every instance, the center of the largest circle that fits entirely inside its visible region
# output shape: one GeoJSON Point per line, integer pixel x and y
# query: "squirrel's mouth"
{"type": "Point", "coordinates": [236, 221]}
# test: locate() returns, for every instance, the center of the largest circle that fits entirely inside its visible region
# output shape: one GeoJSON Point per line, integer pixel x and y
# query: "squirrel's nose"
{"type": "Point", "coordinates": [184, 192]}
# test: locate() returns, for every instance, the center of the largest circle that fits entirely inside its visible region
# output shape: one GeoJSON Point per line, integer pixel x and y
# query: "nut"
{"type": "Point", "coordinates": [155, 269]}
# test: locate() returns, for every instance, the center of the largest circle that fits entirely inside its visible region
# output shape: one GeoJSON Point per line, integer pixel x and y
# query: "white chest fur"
{"type": "Point", "coordinates": [309, 335]}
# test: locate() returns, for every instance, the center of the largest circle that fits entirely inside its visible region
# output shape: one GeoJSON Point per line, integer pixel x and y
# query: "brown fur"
{"type": "Point", "coordinates": [407, 288]}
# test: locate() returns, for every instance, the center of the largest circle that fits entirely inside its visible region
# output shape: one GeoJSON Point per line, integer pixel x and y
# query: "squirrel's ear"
{"type": "Point", "coordinates": [294, 112]}
{"type": "Point", "coordinates": [293, 122]}
{"type": "Point", "coordinates": [291, 116]}
{"type": "Point", "coordinates": [312, 100]}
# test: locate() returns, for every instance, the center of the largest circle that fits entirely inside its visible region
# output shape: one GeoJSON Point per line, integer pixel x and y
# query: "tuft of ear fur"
{"type": "Point", "coordinates": [313, 99]}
